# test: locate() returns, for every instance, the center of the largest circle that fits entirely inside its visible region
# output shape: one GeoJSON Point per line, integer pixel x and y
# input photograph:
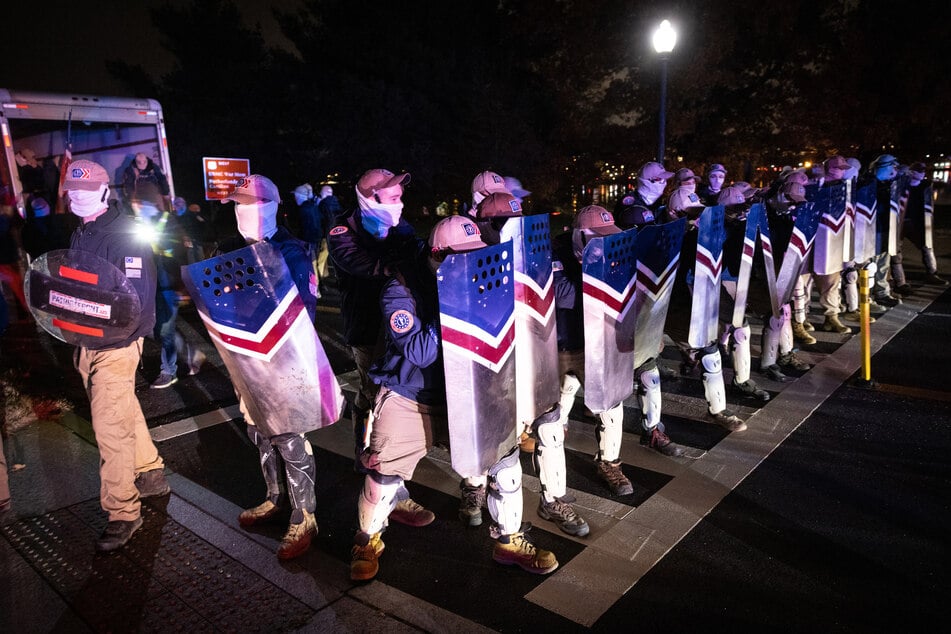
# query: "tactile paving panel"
{"type": "Point", "coordinates": [165, 579]}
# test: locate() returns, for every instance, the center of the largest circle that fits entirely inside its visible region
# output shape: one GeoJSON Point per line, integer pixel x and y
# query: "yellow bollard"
{"type": "Point", "coordinates": [866, 379]}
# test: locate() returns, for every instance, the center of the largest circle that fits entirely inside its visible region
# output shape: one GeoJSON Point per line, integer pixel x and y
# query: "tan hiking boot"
{"type": "Point", "coordinates": [299, 534]}
{"type": "Point", "coordinates": [800, 334]}
{"type": "Point", "coordinates": [364, 559]}
{"type": "Point", "coordinates": [259, 514]}
{"type": "Point", "coordinates": [516, 550]}
{"type": "Point", "coordinates": [411, 513]}
{"type": "Point", "coordinates": [832, 324]}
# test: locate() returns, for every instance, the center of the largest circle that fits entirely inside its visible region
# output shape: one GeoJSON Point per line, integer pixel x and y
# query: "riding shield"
{"type": "Point", "coordinates": [658, 253]}
{"type": "Point", "coordinates": [536, 339]}
{"type": "Point", "coordinates": [829, 246]}
{"type": "Point", "coordinates": [260, 327]}
{"type": "Point", "coordinates": [705, 304]}
{"type": "Point", "coordinates": [608, 267]}
{"type": "Point", "coordinates": [477, 319]}
{"type": "Point", "coordinates": [803, 234]}
{"type": "Point", "coordinates": [757, 225]}
{"type": "Point", "coordinates": [863, 235]}
{"type": "Point", "coordinates": [82, 299]}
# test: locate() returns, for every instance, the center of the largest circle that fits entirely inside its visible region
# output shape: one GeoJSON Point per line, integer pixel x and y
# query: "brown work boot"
{"type": "Point", "coordinates": [855, 315]}
{"type": "Point", "coordinates": [727, 420]}
{"type": "Point", "coordinates": [611, 473]}
{"type": "Point", "coordinates": [411, 513]}
{"type": "Point", "coordinates": [471, 503]}
{"type": "Point", "coordinates": [152, 483]}
{"type": "Point", "coordinates": [364, 558]}
{"type": "Point", "coordinates": [526, 443]}
{"type": "Point", "coordinates": [800, 334]}
{"type": "Point", "coordinates": [516, 550]}
{"type": "Point", "coordinates": [260, 514]}
{"type": "Point", "coordinates": [299, 534]}
{"type": "Point", "coordinates": [832, 324]}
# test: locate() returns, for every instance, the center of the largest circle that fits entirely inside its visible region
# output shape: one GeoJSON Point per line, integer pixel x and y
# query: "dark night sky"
{"type": "Point", "coordinates": [51, 46]}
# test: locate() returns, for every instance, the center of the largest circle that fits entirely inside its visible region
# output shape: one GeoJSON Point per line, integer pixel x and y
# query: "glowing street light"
{"type": "Point", "coordinates": [665, 38]}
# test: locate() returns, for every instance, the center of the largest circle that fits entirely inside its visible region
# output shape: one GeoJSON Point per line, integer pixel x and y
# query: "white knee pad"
{"type": "Point", "coordinates": [377, 500]}
{"type": "Point", "coordinates": [609, 430]}
{"type": "Point", "coordinates": [505, 493]}
{"type": "Point", "coordinates": [800, 301]}
{"type": "Point", "coordinates": [569, 388]}
{"type": "Point", "coordinates": [785, 333]}
{"type": "Point", "coordinates": [713, 379]}
{"type": "Point", "coordinates": [649, 397]}
{"type": "Point", "coordinates": [550, 455]}
{"type": "Point", "coordinates": [850, 289]}
{"type": "Point", "coordinates": [772, 331]}
{"type": "Point", "coordinates": [740, 353]}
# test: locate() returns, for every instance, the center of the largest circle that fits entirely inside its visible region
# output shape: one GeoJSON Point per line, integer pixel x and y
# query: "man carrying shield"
{"type": "Point", "coordinates": [412, 397]}
{"type": "Point", "coordinates": [130, 466]}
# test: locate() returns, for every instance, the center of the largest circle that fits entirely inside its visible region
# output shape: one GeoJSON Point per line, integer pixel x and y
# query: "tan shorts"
{"type": "Point", "coordinates": [402, 434]}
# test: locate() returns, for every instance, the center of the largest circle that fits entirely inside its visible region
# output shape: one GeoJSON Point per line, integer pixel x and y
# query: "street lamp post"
{"type": "Point", "coordinates": [664, 40]}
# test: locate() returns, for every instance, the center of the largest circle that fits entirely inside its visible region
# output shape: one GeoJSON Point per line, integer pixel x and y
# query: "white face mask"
{"type": "Point", "coordinates": [378, 218]}
{"type": "Point", "coordinates": [256, 221]}
{"type": "Point", "coordinates": [301, 199]}
{"type": "Point", "coordinates": [650, 191]}
{"type": "Point", "coordinates": [690, 186]}
{"type": "Point", "coordinates": [85, 203]}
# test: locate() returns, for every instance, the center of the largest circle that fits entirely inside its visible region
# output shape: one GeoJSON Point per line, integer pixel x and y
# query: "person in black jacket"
{"type": "Point", "coordinates": [130, 465]}
{"type": "Point", "coordinates": [145, 184]}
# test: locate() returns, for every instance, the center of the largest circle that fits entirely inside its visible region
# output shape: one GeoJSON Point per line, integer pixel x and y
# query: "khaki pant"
{"type": "Point", "coordinates": [125, 446]}
{"type": "Point", "coordinates": [323, 253]}
{"type": "Point", "coordinates": [401, 436]}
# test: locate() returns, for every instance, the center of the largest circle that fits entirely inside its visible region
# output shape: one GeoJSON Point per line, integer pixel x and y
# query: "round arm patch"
{"type": "Point", "coordinates": [401, 321]}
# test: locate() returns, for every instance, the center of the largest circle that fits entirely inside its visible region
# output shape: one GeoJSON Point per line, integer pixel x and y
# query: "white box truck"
{"type": "Point", "coordinates": [37, 128]}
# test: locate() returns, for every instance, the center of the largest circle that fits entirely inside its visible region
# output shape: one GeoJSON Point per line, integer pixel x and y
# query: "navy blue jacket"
{"type": "Point", "coordinates": [361, 262]}
{"type": "Point", "coordinates": [412, 364]}
{"type": "Point", "coordinates": [114, 237]}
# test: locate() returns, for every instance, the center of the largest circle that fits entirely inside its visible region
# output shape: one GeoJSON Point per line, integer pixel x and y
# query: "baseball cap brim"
{"type": "Point", "coordinates": [85, 185]}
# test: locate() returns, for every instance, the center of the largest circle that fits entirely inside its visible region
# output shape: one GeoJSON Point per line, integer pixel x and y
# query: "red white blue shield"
{"type": "Point", "coordinates": [608, 266]}
{"type": "Point", "coordinates": [705, 300]}
{"type": "Point", "coordinates": [658, 255]}
{"type": "Point", "coordinates": [256, 318]}
{"type": "Point", "coordinates": [757, 229]}
{"type": "Point", "coordinates": [477, 319]}
{"type": "Point", "coordinates": [828, 250]}
{"type": "Point", "coordinates": [863, 235]}
{"type": "Point", "coordinates": [536, 338]}
{"type": "Point", "coordinates": [800, 243]}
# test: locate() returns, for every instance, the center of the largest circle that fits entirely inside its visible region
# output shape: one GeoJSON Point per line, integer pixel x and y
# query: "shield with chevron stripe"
{"type": "Point", "coordinates": [256, 318]}
{"type": "Point", "coordinates": [536, 338]}
{"type": "Point", "coordinates": [828, 250]}
{"type": "Point", "coordinates": [477, 319]}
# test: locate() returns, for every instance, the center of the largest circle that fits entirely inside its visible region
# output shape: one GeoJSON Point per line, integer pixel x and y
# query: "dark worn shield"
{"type": "Point", "coordinates": [803, 234]}
{"type": "Point", "coordinates": [658, 254]}
{"type": "Point", "coordinates": [863, 235]}
{"type": "Point", "coordinates": [929, 215]}
{"type": "Point", "coordinates": [257, 321]}
{"type": "Point", "coordinates": [889, 239]}
{"type": "Point", "coordinates": [608, 267]}
{"type": "Point", "coordinates": [477, 318]}
{"type": "Point", "coordinates": [828, 250]}
{"type": "Point", "coordinates": [536, 338]}
{"type": "Point", "coordinates": [757, 230]}
{"type": "Point", "coordinates": [705, 301]}
{"type": "Point", "coordinates": [82, 299]}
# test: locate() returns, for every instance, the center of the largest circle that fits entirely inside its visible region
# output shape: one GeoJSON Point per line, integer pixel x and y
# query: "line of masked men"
{"type": "Point", "coordinates": [513, 324]}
